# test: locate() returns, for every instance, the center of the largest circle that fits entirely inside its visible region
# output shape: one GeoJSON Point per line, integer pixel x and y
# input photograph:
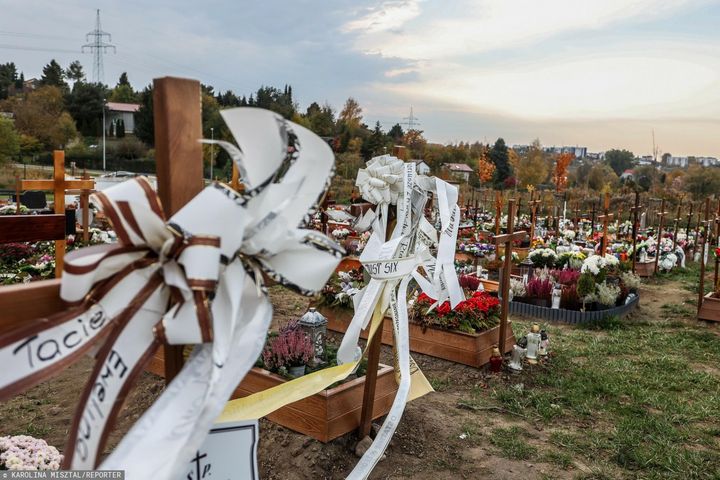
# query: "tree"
{"type": "Point", "coordinates": [351, 115]}
{"type": "Point", "coordinates": [560, 176]}
{"type": "Point", "coordinates": [9, 140]}
{"type": "Point", "coordinates": [85, 103]}
{"type": "Point", "coordinates": [619, 160]}
{"type": "Point", "coordinates": [53, 75]}
{"type": "Point", "coordinates": [486, 168]}
{"type": "Point", "coordinates": [396, 132]}
{"type": "Point", "coordinates": [701, 182]}
{"type": "Point", "coordinates": [144, 122]}
{"type": "Point", "coordinates": [42, 116]}
{"type": "Point", "coordinates": [601, 176]}
{"type": "Point", "coordinates": [374, 144]}
{"type": "Point", "coordinates": [123, 91]}
{"type": "Point", "coordinates": [29, 145]}
{"type": "Point", "coordinates": [532, 166]}
{"type": "Point", "coordinates": [321, 120]}
{"type": "Point", "coordinates": [415, 141]}
{"type": "Point", "coordinates": [75, 72]}
{"type": "Point", "coordinates": [120, 128]}
{"type": "Point", "coordinates": [8, 78]}
{"type": "Point", "coordinates": [499, 157]}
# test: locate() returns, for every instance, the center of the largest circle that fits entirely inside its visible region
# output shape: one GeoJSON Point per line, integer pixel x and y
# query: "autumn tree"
{"type": "Point", "coordinates": [601, 176]}
{"type": "Point", "coordinates": [351, 115]}
{"type": "Point", "coordinates": [619, 160]}
{"type": "Point", "coordinates": [414, 140]}
{"type": "Point", "coordinates": [560, 173]}
{"type": "Point", "coordinates": [701, 182]}
{"type": "Point", "coordinates": [9, 140]}
{"type": "Point", "coordinates": [532, 166]}
{"type": "Point", "coordinates": [42, 116]}
{"type": "Point", "coordinates": [485, 167]}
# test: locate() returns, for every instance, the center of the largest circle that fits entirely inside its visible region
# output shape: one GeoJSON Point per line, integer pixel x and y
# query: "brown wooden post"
{"type": "Point", "coordinates": [701, 286]}
{"type": "Point", "coordinates": [59, 203]}
{"type": "Point", "coordinates": [676, 222]}
{"type": "Point", "coordinates": [17, 194]}
{"type": "Point", "coordinates": [661, 223]}
{"type": "Point", "coordinates": [697, 229]}
{"type": "Point", "coordinates": [507, 240]}
{"type": "Point", "coordinates": [636, 214]}
{"type": "Point", "coordinates": [605, 218]}
{"type": "Point", "coordinates": [717, 240]}
{"type": "Point", "coordinates": [533, 217]}
{"type": "Point", "coordinates": [178, 157]}
{"type": "Point", "coordinates": [498, 211]}
{"type": "Point", "coordinates": [373, 356]}
{"type": "Point", "coordinates": [235, 182]}
{"type": "Point", "coordinates": [85, 205]}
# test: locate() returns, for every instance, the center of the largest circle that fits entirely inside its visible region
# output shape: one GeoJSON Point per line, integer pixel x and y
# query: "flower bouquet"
{"type": "Point", "coordinates": [23, 452]}
{"type": "Point", "coordinates": [543, 257]}
{"type": "Point", "coordinates": [478, 313]}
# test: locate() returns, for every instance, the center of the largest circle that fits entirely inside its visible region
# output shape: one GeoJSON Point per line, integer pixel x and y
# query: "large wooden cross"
{"type": "Point", "coordinates": [701, 286]}
{"type": "Point", "coordinates": [635, 210]}
{"type": "Point", "coordinates": [58, 185]}
{"type": "Point", "coordinates": [605, 218]}
{"type": "Point", "coordinates": [178, 157]}
{"type": "Point", "coordinates": [592, 220]}
{"type": "Point", "coordinates": [661, 223]}
{"type": "Point", "coordinates": [533, 203]}
{"type": "Point", "coordinates": [697, 228]}
{"type": "Point", "coordinates": [498, 211]}
{"type": "Point", "coordinates": [506, 240]}
{"type": "Point", "coordinates": [717, 240]}
{"type": "Point", "coordinates": [676, 222]}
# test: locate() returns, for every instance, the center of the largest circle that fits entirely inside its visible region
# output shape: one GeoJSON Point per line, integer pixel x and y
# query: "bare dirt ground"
{"type": "Point", "coordinates": [440, 436]}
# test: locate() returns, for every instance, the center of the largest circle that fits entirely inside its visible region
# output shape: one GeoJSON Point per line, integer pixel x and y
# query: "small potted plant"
{"type": "Point", "coordinates": [289, 351]}
{"type": "Point", "coordinates": [539, 290]}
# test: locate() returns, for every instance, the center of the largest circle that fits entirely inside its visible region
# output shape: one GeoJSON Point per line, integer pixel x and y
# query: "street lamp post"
{"type": "Point", "coordinates": [212, 152]}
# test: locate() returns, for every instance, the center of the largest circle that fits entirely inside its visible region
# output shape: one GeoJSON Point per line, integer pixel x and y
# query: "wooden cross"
{"type": "Point", "coordinates": [635, 210]}
{"type": "Point", "coordinates": [717, 239]}
{"type": "Point", "coordinates": [178, 157]}
{"type": "Point", "coordinates": [676, 222]}
{"type": "Point", "coordinates": [607, 216]}
{"type": "Point", "coordinates": [689, 219]}
{"type": "Point", "coordinates": [506, 239]}
{"type": "Point", "coordinates": [533, 216]}
{"type": "Point", "coordinates": [697, 229]}
{"type": "Point", "coordinates": [661, 224]}
{"type": "Point", "coordinates": [498, 211]}
{"type": "Point", "coordinates": [58, 185]}
{"type": "Point", "coordinates": [701, 287]}
{"type": "Point", "coordinates": [592, 220]}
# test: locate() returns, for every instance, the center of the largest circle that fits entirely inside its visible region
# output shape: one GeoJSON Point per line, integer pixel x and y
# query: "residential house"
{"type": "Point", "coordinates": [420, 166]}
{"type": "Point", "coordinates": [459, 170]}
{"type": "Point", "coordinates": [121, 111]}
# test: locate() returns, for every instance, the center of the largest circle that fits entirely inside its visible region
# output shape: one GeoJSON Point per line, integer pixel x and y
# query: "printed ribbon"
{"type": "Point", "coordinates": [221, 241]}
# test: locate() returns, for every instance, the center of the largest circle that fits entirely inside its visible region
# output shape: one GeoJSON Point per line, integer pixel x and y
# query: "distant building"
{"type": "Point", "coordinates": [30, 85]}
{"type": "Point", "coordinates": [627, 175]}
{"type": "Point", "coordinates": [459, 170]}
{"type": "Point", "coordinates": [681, 162]}
{"type": "Point", "coordinates": [121, 111]}
{"type": "Point", "coordinates": [421, 167]}
{"type": "Point", "coordinates": [707, 161]}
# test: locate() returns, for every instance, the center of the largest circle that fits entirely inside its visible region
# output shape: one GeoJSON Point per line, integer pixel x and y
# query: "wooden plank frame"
{"type": "Point", "coordinates": [31, 228]}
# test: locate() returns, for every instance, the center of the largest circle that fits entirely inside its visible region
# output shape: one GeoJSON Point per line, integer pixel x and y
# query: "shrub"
{"type": "Point", "coordinates": [541, 289]}
{"type": "Point", "coordinates": [290, 348]}
{"type": "Point", "coordinates": [607, 294]}
{"type": "Point", "coordinates": [586, 286]}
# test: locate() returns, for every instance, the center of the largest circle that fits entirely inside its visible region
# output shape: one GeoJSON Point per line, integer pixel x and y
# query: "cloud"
{"type": "Point", "coordinates": [390, 15]}
{"type": "Point", "coordinates": [470, 27]}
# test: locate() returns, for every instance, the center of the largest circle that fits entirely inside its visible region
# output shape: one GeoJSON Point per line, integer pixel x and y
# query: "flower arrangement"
{"type": "Point", "coordinates": [630, 280]}
{"type": "Point", "coordinates": [479, 312]}
{"type": "Point", "coordinates": [517, 288]}
{"type": "Point", "coordinates": [570, 260]}
{"type": "Point", "coordinates": [514, 258]}
{"type": "Point", "coordinates": [12, 210]}
{"type": "Point", "coordinates": [543, 257]}
{"type": "Point", "coordinates": [566, 277]}
{"type": "Point", "coordinates": [667, 262]}
{"type": "Point", "coordinates": [607, 294]}
{"type": "Point", "coordinates": [291, 347]}
{"type": "Point", "coordinates": [477, 249]}
{"type": "Point", "coordinates": [341, 288]}
{"type": "Point", "coordinates": [569, 235]}
{"type": "Point", "coordinates": [23, 452]}
{"type": "Point", "coordinates": [540, 289]}
{"type": "Point", "coordinates": [599, 266]}
{"type": "Point", "coordinates": [340, 233]}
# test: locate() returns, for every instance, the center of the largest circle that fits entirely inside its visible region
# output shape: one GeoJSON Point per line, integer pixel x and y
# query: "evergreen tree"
{"type": "Point", "coordinates": [123, 80]}
{"type": "Point", "coordinates": [120, 128]}
{"type": "Point", "coordinates": [75, 72]}
{"type": "Point", "coordinates": [144, 126]}
{"type": "Point", "coordinates": [85, 104]}
{"type": "Point", "coordinates": [53, 75]}
{"type": "Point", "coordinates": [396, 133]}
{"type": "Point", "coordinates": [8, 77]}
{"type": "Point", "coordinates": [499, 157]}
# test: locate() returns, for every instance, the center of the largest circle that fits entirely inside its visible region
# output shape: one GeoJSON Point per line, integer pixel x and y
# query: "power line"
{"type": "Point", "coordinates": [412, 120]}
{"type": "Point", "coordinates": [98, 47]}
{"type": "Point", "coordinates": [36, 49]}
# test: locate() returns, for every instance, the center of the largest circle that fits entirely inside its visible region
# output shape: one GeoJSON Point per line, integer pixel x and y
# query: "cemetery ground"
{"type": "Point", "coordinates": [631, 398]}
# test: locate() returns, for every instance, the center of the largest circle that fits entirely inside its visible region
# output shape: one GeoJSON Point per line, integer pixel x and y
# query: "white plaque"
{"type": "Point", "coordinates": [229, 452]}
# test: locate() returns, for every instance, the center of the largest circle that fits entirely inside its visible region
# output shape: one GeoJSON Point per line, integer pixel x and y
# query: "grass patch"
{"type": "Point", "coordinates": [512, 444]}
{"type": "Point", "coordinates": [645, 394]}
{"type": "Point", "coordinates": [440, 384]}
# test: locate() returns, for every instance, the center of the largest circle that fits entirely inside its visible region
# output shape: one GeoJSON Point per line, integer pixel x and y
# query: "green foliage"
{"type": "Point", "coordinates": [9, 140]}
{"type": "Point", "coordinates": [586, 285]}
{"type": "Point", "coordinates": [8, 79]}
{"type": "Point", "coordinates": [600, 176]}
{"type": "Point", "coordinates": [75, 72]}
{"type": "Point", "coordinates": [85, 104]}
{"type": "Point", "coordinates": [499, 157]}
{"type": "Point", "coordinates": [512, 443]}
{"type": "Point", "coordinates": [702, 182]}
{"type": "Point", "coordinates": [619, 160]}
{"type": "Point", "coordinates": [53, 75]}
{"type": "Point", "coordinates": [144, 122]}
{"type": "Point", "coordinates": [120, 128]}
{"type": "Point", "coordinates": [41, 115]}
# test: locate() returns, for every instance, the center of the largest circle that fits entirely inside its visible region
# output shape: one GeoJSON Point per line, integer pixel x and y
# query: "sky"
{"type": "Point", "coordinates": [597, 73]}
